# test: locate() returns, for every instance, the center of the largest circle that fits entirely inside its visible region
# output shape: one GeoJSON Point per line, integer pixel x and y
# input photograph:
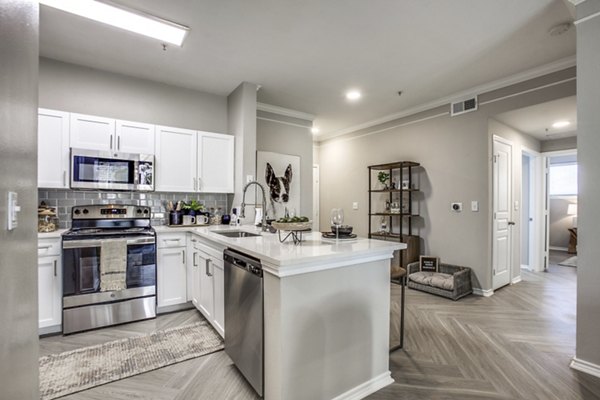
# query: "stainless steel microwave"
{"type": "Point", "coordinates": [92, 169]}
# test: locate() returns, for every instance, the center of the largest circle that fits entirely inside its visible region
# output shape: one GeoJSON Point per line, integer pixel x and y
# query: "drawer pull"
{"type": "Point", "coordinates": [55, 262]}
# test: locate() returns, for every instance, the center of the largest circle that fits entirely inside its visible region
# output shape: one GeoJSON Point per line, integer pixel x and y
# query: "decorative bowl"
{"type": "Point", "coordinates": [292, 226]}
{"type": "Point", "coordinates": [342, 229]}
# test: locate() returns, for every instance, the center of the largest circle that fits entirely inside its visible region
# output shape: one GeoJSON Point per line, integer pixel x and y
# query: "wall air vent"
{"type": "Point", "coordinates": [464, 106]}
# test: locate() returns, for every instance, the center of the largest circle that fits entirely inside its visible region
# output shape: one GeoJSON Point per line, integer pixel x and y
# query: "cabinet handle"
{"type": "Point", "coordinates": [183, 252]}
{"type": "Point", "coordinates": [55, 262]}
{"type": "Point", "coordinates": [111, 140]}
{"type": "Point", "coordinates": [44, 247]}
{"type": "Point", "coordinates": [194, 179]}
{"type": "Point", "coordinates": [208, 261]}
{"type": "Point", "coordinates": [199, 183]}
{"type": "Point", "coordinates": [119, 143]}
{"type": "Point", "coordinates": [194, 259]}
{"type": "Point", "coordinates": [64, 178]}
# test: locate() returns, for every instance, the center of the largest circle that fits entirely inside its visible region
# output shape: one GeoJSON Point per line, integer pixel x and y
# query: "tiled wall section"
{"type": "Point", "coordinates": [65, 199]}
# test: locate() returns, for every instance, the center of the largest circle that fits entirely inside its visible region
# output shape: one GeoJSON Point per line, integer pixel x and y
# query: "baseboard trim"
{"type": "Point", "coordinates": [369, 387]}
{"type": "Point", "coordinates": [558, 248]}
{"type": "Point", "coordinates": [516, 279]}
{"type": "Point", "coordinates": [484, 293]}
{"type": "Point", "coordinates": [585, 366]}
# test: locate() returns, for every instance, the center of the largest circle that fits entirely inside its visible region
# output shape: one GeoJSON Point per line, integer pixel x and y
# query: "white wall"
{"type": "Point", "coordinates": [455, 153]}
{"type": "Point", "coordinates": [74, 88]}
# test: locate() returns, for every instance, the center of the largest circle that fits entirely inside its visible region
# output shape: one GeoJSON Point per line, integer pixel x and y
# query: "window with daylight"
{"type": "Point", "coordinates": [563, 180]}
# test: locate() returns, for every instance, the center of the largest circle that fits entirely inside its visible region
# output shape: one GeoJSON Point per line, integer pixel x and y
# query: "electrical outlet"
{"type": "Point", "coordinates": [249, 178]}
{"type": "Point", "coordinates": [475, 206]}
{"type": "Point", "coordinates": [456, 207]}
{"type": "Point", "coordinates": [355, 205]}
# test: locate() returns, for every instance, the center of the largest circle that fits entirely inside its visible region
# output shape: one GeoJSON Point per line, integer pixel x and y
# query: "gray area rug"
{"type": "Point", "coordinates": [569, 262]}
{"type": "Point", "coordinates": [81, 369]}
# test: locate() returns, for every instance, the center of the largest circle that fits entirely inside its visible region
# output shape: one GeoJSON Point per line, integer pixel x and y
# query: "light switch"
{"type": "Point", "coordinates": [355, 205]}
{"type": "Point", "coordinates": [475, 206]}
{"type": "Point", "coordinates": [13, 210]}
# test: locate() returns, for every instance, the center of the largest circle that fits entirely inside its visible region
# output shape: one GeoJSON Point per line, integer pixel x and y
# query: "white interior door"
{"type": "Point", "coordinates": [502, 200]}
{"type": "Point", "coordinates": [315, 198]}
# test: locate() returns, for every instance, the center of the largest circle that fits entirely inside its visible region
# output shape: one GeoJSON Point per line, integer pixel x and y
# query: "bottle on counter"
{"type": "Point", "coordinates": [234, 219]}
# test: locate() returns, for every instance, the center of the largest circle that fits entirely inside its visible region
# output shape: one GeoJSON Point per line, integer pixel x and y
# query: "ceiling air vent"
{"type": "Point", "coordinates": [465, 106]}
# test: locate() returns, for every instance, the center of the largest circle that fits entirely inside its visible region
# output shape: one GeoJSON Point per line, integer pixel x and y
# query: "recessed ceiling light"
{"type": "Point", "coordinates": [133, 21]}
{"type": "Point", "coordinates": [353, 95]}
{"type": "Point", "coordinates": [314, 130]}
{"type": "Point", "coordinates": [560, 124]}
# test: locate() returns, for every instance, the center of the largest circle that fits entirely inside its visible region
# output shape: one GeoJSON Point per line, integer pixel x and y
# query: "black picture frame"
{"type": "Point", "coordinates": [429, 263]}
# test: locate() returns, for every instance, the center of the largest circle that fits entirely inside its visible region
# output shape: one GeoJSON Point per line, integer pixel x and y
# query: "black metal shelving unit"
{"type": "Point", "coordinates": [404, 170]}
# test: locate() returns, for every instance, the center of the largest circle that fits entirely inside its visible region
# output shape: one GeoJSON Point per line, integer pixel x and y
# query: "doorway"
{"type": "Point", "coordinates": [533, 211]}
{"type": "Point", "coordinates": [562, 207]}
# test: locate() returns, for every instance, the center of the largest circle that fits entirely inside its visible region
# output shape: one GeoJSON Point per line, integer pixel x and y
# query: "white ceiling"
{"type": "Point", "coordinates": [536, 119]}
{"type": "Point", "coordinates": [306, 54]}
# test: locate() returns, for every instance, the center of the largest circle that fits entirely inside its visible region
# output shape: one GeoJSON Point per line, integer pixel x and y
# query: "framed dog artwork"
{"type": "Point", "coordinates": [280, 175]}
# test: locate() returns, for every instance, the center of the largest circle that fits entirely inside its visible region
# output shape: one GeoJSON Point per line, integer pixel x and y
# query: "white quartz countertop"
{"type": "Point", "coordinates": [312, 250]}
{"type": "Point", "coordinates": [51, 235]}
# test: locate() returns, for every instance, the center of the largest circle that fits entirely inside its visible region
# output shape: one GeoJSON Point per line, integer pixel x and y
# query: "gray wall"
{"type": "Point", "coordinates": [274, 134]}
{"type": "Point", "coordinates": [19, 24]}
{"type": "Point", "coordinates": [560, 222]}
{"type": "Point", "coordinates": [241, 114]}
{"type": "Point", "coordinates": [588, 123]}
{"type": "Point", "coordinates": [74, 88]}
{"type": "Point", "coordinates": [560, 144]}
{"type": "Point", "coordinates": [455, 153]}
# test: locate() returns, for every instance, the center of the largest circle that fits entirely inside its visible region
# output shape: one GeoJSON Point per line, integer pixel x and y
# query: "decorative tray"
{"type": "Point", "coordinates": [292, 226]}
{"type": "Point", "coordinates": [332, 236]}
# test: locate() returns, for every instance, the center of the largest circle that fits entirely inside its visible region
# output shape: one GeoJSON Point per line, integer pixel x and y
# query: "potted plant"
{"type": "Point", "coordinates": [383, 177]}
{"type": "Point", "coordinates": [193, 208]}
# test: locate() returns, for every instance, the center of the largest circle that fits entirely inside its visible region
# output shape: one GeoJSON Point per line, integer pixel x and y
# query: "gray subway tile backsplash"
{"type": "Point", "coordinates": [65, 199]}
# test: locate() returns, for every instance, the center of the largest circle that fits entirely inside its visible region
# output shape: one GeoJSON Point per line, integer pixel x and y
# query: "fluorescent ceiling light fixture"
{"type": "Point", "coordinates": [353, 95]}
{"type": "Point", "coordinates": [560, 124]}
{"type": "Point", "coordinates": [314, 130]}
{"type": "Point", "coordinates": [117, 16]}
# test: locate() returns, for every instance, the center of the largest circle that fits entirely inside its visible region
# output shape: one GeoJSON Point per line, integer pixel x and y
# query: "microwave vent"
{"type": "Point", "coordinates": [464, 106]}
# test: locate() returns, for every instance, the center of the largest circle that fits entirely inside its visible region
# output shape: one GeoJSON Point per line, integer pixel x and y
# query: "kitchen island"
{"type": "Point", "coordinates": [326, 312]}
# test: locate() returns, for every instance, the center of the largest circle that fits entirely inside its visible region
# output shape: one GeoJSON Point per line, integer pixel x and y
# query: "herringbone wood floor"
{"type": "Point", "coordinates": [515, 345]}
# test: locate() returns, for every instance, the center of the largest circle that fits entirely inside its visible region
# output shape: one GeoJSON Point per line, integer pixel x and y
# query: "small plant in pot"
{"type": "Point", "coordinates": [383, 178]}
{"type": "Point", "coordinates": [193, 208]}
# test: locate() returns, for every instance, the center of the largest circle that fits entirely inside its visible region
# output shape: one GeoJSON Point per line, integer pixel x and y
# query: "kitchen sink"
{"type": "Point", "coordinates": [236, 234]}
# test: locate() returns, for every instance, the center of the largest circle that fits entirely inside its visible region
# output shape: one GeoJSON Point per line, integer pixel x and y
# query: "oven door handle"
{"type": "Point", "coordinates": [80, 244]}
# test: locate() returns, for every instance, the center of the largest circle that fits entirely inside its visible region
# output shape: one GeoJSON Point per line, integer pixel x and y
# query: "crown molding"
{"type": "Point", "coordinates": [286, 112]}
{"type": "Point", "coordinates": [477, 90]}
{"type": "Point", "coordinates": [576, 2]}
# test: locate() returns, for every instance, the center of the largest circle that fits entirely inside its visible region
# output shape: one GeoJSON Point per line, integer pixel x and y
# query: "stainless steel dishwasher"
{"type": "Point", "coordinates": [244, 316]}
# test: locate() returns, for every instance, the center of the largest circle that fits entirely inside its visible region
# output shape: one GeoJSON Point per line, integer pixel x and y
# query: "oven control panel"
{"type": "Point", "coordinates": [111, 211]}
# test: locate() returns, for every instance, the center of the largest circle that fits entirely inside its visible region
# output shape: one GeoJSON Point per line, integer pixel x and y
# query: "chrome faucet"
{"type": "Point", "coordinates": [264, 204]}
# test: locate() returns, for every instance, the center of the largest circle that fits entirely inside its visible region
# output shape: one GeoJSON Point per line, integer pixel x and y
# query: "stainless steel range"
{"type": "Point", "coordinates": [109, 267]}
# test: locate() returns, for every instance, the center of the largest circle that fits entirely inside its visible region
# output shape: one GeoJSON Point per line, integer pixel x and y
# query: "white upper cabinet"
{"type": "Point", "coordinates": [215, 162]}
{"type": "Point", "coordinates": [53, 149]}
{"type": "Point", "coordinates": [93, 133]}
{"type": "Point", "coordinates": [134, 137]}
{"type": "Point", "coordinates": [175, 160]}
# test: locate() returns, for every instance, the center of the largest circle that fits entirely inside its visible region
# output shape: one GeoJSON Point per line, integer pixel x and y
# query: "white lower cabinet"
{"type": "Point", "coordinates": [49, 286]}
{"type": "Point", "coordinates": [171, 263]}
{"type": "Point", "coordinates": [208, 286]}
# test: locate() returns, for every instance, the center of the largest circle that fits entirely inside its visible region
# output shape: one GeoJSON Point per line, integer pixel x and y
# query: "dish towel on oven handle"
{"type": "Point", "coordinates": [113, 265]}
